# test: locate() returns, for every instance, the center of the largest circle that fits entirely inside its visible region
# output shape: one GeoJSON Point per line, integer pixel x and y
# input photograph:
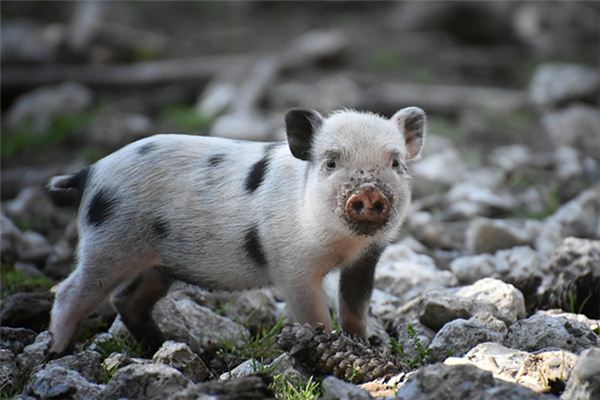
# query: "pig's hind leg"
{"type": "Point", "coordinates": [135, 302]}
{"type": "Point", "coordinates": [96, 275]}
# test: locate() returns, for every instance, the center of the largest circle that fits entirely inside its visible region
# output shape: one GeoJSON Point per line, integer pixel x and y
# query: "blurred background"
{"type": "Point", "coordinates": [511, 90]}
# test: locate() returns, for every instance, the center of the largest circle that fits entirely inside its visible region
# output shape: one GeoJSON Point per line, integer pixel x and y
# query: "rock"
{"type": "Point", "coordinates": [148, 381]}
{"type": "Point", "coordinates": [582, 123]}
{"type": "Point", "coordinates": [15, 339]}
{"type": "Point", "coordinates": [406, 274]}
{"type": "Point", "coordinates": [511, 157]}
{"type": "Point", "coordinates": [246, 368]}
{"type": "Point", "coordinates": [181, 357]}
{"type": "Point", "coordinates": [34, 354]}
{"type": "Point", "coordinates": [285, 365]}
{"type": "Point", "coordinates": [27, 42]}
{"type": "Point", "coordinates": [114, 128]}
{"type": "Point", "coordinates": [574, 282]}
{"type": "Point", "coordinates": [593, 324]}
{"type": "Point", "coordinates": [542, 372]}
{"type": "Point", "coordinates": [469, 269]}
{"type": "Point", "coordinates": [182, 319]}
{"type": "Point", "coordinates": [33, 207]}
{"type": "Point", "coordinates": [584, 383]}
{"type": "Point", "coordinates": [33, 247]}
{"type": "Point", "coordinates": [413, 336]}
{"type": "Point", "coordinates": [385, 388]}
{"type": "Point", "coordinates": [87, 363]}
{"type": "Point", "coordinates": [439, 308]}
{"type": "Point", "coordinates": [248, 388]}
{"type": "Point", "coordinates": [568, 165]}
{"type": "Point", "coordinates": [383, 304]}
{"type": "Point", "coordinates": [9, 371]}
{"type": "Point", "coordinates": [556, 84]}
{"type": "Point", "coordinates": [441, 381]}
{"type": "Point", "coordinates": [471, 198]}
{"type": "Point", "coordinates": [432, 170]}
{"type": "Point", "coordinates": [26, 310]}
{"type": "Point", "coordinates": [505, 297]}
{"type": "Point", "coordinates": [459, 336]}
{"type": "Point", "coordinates": [437, 234]}
{"type": "Point", "coordinates": [10, 235]}
{"type": "Point", "coordinates": [117, 360]}
{"type": "Point", "coordinates": [40, 106]}
{"type": "Point", "coordinates": [55, 381]}
{"type": "Point", "coordinates": [488, 236]}
{"type": "Point", "coordinates": [336, 389]}
{"type": "Point", "coordinates": [541, 331]}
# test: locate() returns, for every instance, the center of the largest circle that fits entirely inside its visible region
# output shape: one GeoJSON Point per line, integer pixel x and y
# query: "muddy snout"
{"type": "Point", "coordinates": [368, 205]}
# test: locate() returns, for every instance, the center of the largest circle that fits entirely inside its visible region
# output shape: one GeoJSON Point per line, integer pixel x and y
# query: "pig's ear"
{"type": "Point", "coordinates": [301, 125]}
{"type": "Point", "coordinates": [412, 122]}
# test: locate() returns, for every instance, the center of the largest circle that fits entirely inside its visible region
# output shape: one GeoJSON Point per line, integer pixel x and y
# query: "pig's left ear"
{"type": "Point", "coordinates": [301, 126]}
{"type": "Point", "coordinates": [412, 122]}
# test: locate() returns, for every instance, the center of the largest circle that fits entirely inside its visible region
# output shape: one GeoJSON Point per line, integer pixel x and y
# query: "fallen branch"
{"type": "Point", "coordinates": [441, 99]}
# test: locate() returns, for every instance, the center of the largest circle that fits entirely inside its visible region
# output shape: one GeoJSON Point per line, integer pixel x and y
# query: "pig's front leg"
{"type": "Point", "coordinates": [306, 301]}
{"type": "Point", "coordinates": [356, 285]}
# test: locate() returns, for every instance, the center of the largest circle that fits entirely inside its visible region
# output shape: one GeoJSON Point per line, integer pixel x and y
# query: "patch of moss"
{"type": "Point", "coordinates": [260, 347]}
{"type": "Point", "coordinates": [14, 281]}
{"type": "Point", "coordinates": [286, 389]}
{"type": "Point", "coordinates": [25, 136]}
{"type": "Point", "coordinates": [120, 344]}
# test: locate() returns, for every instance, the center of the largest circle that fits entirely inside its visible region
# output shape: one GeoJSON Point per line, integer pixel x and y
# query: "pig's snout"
{"type": "Point", "coordinates": [368, 205]}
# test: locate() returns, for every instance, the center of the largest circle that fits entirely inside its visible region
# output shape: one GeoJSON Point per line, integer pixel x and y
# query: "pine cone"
{"type": "Point", "coordinates": [337, 354]}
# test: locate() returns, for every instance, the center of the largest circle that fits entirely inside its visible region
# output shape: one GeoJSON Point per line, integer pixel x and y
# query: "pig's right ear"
{"type": "Point", "coordinates": [301, 125]}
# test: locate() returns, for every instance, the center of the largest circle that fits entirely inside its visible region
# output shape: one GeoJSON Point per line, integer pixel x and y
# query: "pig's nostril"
{"type": "Point", "coordinates": [358, 206]}
{"type": "Point", "coordinates": [378, 207]}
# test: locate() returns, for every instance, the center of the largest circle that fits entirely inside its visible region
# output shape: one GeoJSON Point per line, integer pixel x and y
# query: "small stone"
{"type": "Point", "coordinates": [469, 269]}
{"type": "Point", "coordinates": [182, 319]}
{"type": "Point", "coordinates": [582, 123]}
{"type": "Point", "coordinates": [441, 381]}
{"type": "Point", "coordinates": [35, 354]}
{"type": "Point", "coordinates": [406, 274]}
{"type": "Point", "coordinates": [247, 387]}
{"type": "Point", "coordinates": [584, 383]}
{"type": "Point", "coordinates": [15, 339]}
{"type": "Point", "coordinates": [9, 371]}
{"type": "Point", "coordinates": [33, 247]}
{"type": "Point", "coordinates": [181, 357]}
{"type": "Point", "coordinates": [246, 368]}
{"type": "Point", "coordinates": [505, 297]}
{"type": "Point", "coordinates": [336, 389]}
{"type": "Point", "coordinates": [459, 336]}
{"type": "Point", "coordinates": [556, 84]}
{"type": "Point", "coordinates": [26, 309]}
{"type": "Point", "coordinates": [440, 308]}
{"type": "Point", "coordinates": [488, 236]}
{"type": "Point", "coordinates": [540, 332]}
{"type": "Point", "coordinates": [148, 381]}
{"type": "Point", "coordinates": [540, 372]}
{"type": "Point", "coordinates": [55, 381]}
{"type": "Point", "coordinates": [87, 363]}
{"type": "Point", "coordinates": [117, 361]}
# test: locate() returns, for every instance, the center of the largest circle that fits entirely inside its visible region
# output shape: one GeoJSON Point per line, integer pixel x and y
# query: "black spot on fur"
{"type": "Point", "coordinates": [259, 169]}
{"type": "Point", "coordinates": [356, 281]}
{"type": "Point", "coordinates": [81, 179]}
{"type": "Point", "coordinates": [160, 227]}
{"type": "Point", "coordinates": [216, 159]}
{"type": "Point", "coordinates": [147, 148]}
{"type": "Point", "coordinates": [415, 123]}
{"type": "Point", "coordinates": [253, 247]}
{"type": "Point", "coordinates": [101, 207]}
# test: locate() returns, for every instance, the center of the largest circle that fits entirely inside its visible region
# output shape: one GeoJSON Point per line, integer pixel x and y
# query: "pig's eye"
{"type": "Point", "coordinates": [395, 163]}
{"type": "Point", "coordinates": [331, 164]}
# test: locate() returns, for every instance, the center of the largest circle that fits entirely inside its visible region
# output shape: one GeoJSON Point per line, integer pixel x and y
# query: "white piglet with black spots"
{"type": "Point", "coordinates": [226, 214]}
